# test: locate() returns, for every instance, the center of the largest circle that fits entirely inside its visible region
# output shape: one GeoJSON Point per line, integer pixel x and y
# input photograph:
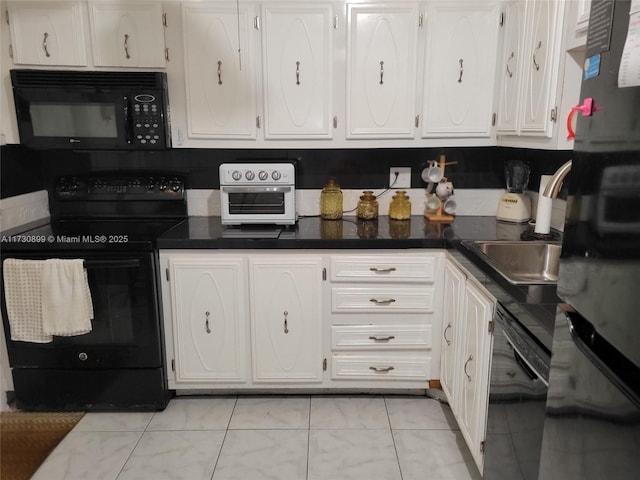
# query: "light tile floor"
{"type": "Point", "coordinates": [364, 437]}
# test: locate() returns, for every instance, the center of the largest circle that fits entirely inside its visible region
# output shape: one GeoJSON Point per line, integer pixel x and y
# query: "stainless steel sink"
{"type": "Point", "coordinates": [526, 263]}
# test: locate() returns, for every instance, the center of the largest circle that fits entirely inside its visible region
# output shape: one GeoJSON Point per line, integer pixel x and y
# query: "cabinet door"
{"type": "Point", "coordinates": [207, 297]}
{"type": "Point", "coordinates": [219, 71]}
{"type": "Point", "coordinates": [510, 70]}
{"type": "Point", "coordinates": [381, 70]}
{"type": "Point", "coordinates": [47, 33]}
{"type": "Point", "coordinates": [462, 41]}
{"type": "Point", "coordinates": [127, 34]}
{"type": "Point", "coordinates": [454, 290]}
{"type": "Point", "coordinates": [297, 63]}
{"type": "Point", "coordinates": [475, 359]}
{"type": "Point", "coordinates": [286, 319]}
{"type": "Point", "coordinates": [541, 62]}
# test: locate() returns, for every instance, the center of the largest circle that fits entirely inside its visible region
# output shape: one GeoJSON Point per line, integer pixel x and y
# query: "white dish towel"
{"type": "Point", "coordinates": [46, 298]}
{"type": "Point", "coordinates": [67, 308]}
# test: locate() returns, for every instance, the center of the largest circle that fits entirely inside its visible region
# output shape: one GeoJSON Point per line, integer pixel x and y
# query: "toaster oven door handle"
{"type": "Point", "coordinates": [256, 189]}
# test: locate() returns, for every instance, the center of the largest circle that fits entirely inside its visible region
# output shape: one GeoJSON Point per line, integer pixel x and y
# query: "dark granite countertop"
{"type": "Point", "coordinates": [533, 305]}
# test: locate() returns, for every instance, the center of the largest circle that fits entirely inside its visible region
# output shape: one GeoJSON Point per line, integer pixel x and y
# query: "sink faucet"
{"type": "Point", "coordinates": [555, 183]}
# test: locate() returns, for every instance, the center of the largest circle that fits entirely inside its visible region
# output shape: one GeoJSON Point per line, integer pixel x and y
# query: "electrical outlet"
{"type": "Point", "coordinates": [404, 177]}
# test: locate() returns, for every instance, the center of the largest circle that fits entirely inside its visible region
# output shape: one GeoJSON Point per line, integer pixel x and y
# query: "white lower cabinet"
{"type": "Point", "coordinates": [286, 318]}
{"type": "Point", "coordinates": [207, 308]}
{"type": "Point", "coordinates": [384, 308]}
{"type": "Point", "coordinates": [466, 345]}
{"type": "Point", "coordinates": [250, 319]}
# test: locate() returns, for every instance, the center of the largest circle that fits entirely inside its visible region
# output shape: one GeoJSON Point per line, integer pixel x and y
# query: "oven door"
{"type": "Point", "coordinates": [258, 204]}
{"type": "Point", "coordinates": [125, 329]}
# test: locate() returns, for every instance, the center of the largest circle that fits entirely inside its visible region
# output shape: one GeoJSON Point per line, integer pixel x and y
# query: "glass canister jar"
{"type": "Point", "coordinates": [331, 201]}
{"type": "Point", "coordinates": [368, 206]}
{"type": "Point", "coordinates": [400, 206]}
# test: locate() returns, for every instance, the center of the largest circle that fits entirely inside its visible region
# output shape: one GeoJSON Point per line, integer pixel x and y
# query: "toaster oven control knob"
{"type": "Point", "coordinates": [276, 175]}
{"type": "Point", "coordinates": [236, 175]}
{"type": "Point", "coordinates": [263, 175]}
{"type": "Point", "coordinates": [250, 175]}
{"type": "Point", "coordinates": [83, 356]}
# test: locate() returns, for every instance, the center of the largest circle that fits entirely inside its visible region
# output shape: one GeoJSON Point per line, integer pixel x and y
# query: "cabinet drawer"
{"type": "Point", "coordinates": [383, 268]}
{"type": "Point", "coordinates": [381, 366]}
{"type": "Point", "coordinates": [382, 299]}
{"type": "Point", "coordinates": [382, 337]}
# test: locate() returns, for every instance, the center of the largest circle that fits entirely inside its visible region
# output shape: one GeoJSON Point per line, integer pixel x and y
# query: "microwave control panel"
{"type": "Point", "coordinates": [148, 121]}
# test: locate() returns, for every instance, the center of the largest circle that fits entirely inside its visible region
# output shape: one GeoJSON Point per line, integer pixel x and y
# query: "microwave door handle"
{"type": "Point", "coordinates": [128, 121]}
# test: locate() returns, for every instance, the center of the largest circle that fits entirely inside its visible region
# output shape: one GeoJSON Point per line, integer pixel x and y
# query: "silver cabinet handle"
{"type": "Point", "coordinates": [381, 339]}
{"type": "Point", "coordinates": [286, 326]}
{"type": "Point", "coordinates": [381, 72]}
{"type": "Point", "coordinates": [44, 44]}
{"type": "Point", "coordinates": [465, 367]}
{"type": "Point", "coordinates": [381, 369]}
{"type": "Point", "coordinates": [126, 46]}
{"type": "Point", "coordinates": [219, 72]}
{"type": "Point", "coordinates": [509, 72]}
{"type": "Point", "coordinates": [444, 334]}
{"type": "Point", "coordinates": [297, 73]}
{"type": "Point", "coordinates": [538, 46]}
{"type": "Point", "coordinates": [386, 301]}
{"type": "Point", "coordinates": [383, 270]}
{"type": "Point", "coordinates": [461, 70]}
{"type": "Point", "coordinates": [206, 322]}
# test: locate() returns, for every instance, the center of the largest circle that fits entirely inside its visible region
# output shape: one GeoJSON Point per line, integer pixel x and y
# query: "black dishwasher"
{"type": "Point", "coordinates": [517, 397]}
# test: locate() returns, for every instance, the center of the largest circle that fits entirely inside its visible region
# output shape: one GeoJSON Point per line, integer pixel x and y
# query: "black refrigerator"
{"type": "Point", "coordinates": [592, 422]}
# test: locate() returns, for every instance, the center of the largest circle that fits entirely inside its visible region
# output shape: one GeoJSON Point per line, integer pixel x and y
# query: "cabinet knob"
{"type": "Point", "coordinates": [206, 322]}
{"type": "Point", "coordinates": [381, 339]}
{"type": "Point", "coordinates": [386, 301]}
{"type": "Point", "coordinates": [465, 367]}
{"type": "Point", "coordinates": [381, 369]}
{"type": "Point", "coordinates": [44, 44]}
{"type": "Point", "coordinates": [444, 334]}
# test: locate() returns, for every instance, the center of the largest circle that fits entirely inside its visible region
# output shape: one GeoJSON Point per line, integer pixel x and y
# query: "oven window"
{"type": "Point", "coordinates": [92, 120]}
{"type": "Point", "coordinates": [256, 203]}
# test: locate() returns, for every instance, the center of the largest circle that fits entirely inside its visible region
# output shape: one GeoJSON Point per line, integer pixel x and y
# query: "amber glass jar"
{"type": "Point", "coordinates": [368, 206]}
{"type": "Point", "coordinates": [400, 206]}
{"type": "Point", "coordinates": [331, 201]}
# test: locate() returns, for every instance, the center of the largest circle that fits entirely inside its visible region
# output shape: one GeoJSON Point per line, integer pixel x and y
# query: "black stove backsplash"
{"type": "Point", "coordinates": [23, 170]}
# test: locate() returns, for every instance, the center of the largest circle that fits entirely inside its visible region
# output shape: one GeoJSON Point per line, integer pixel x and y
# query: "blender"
{"type": "Point", "coordinates": [515, 205]}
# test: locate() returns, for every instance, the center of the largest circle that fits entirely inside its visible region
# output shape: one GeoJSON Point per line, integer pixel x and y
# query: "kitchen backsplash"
{"type": "Point", "coordinates": [24, 170]}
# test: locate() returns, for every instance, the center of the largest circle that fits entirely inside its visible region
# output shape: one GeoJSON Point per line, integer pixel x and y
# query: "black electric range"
{"type": "Point", "coordinates": [111, 221]}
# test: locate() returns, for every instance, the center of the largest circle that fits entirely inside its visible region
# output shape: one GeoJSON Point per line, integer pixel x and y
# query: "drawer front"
{"type": "Point", "coordinates": [383, 337]}
{"type": "Point", "coordinates": [383, 268]}
{"type": "Point", "coordinates": [382, 299]}
{"type": "Point", "coordinates": [379, 366]}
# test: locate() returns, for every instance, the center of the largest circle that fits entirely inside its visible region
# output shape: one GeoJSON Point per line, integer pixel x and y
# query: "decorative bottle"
{"type": "Point", "coordinates": [400, 206]}
{"type": "Point", "coordinates": [367, 206]}
{"type": "Point", "coordinates": [331, 201]}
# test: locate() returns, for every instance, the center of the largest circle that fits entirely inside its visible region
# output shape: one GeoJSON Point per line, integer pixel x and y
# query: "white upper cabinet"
{"type": "Point", "coordinates": [531, 66]}
{"type": "Point", "coordinates": [381, 70]}
{"type": "Point", "coordinates": [47, 33]}
{"type": "Point", "coordinates": [219, 71]}
{"type": "Point", "coordinates": [541, 63]}
{"type": "Point", "coordinates": [127, 33]}
{"type": "Point", "coordinates": [510, 71]}
{"type": "Point", "coordinates": [297, 64]}
{"type": "Point", "coordinates": [461, 51]}
{"type": "Point", "coordinates": [286, 318]}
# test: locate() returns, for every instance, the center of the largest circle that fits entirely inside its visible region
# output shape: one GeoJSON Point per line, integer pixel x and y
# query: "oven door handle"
{"type": "Point", "coordinates": [118, 263]}
{"type": "Point", "coordinates": [256, 189]}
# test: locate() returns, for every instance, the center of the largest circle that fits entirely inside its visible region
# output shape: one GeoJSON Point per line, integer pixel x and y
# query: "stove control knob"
{"type": "Point", "coordinates": [83, 356]}
{"type": "Point", "coordinates": [263, 175]}
{"type": "Point", "coordinates": [276, 175]}
{"type": "Point", "coordinates": [162, 186]}
{"type": "Point", "coordinates": [175, 187]}
{"type": "Point", "coordinates": [249, 175]}
{"type": "Point", "coordinates": [236, 175]}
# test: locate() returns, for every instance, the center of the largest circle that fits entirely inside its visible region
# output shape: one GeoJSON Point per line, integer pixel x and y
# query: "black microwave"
{"type": "Point", "coordinates": [92, 110]}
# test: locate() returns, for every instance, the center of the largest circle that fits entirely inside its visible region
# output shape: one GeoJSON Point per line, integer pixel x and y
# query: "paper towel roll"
{"type": "Point", "coordinates": [544, 208]}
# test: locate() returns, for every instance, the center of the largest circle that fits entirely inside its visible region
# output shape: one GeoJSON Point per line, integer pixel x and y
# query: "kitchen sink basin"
{"type": "Point", "coordinates": [524, 263]}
